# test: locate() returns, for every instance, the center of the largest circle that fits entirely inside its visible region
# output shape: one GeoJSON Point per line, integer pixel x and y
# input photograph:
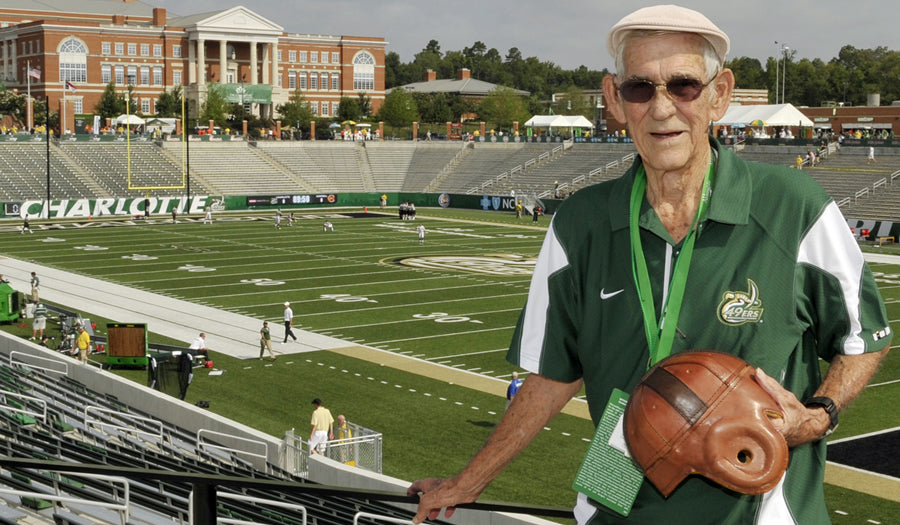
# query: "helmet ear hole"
{"type": "Point", "coordinates": [744, 456]}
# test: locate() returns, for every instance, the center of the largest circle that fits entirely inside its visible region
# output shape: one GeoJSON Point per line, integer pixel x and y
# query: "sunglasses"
{"type": "Point", "coordinates": [684, 89]}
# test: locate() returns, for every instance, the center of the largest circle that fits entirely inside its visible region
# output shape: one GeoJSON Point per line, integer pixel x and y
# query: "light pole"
{"type": "Point", "coordinates": [784, 49]}
{"type": "Point", "coordinates": [777, 57]}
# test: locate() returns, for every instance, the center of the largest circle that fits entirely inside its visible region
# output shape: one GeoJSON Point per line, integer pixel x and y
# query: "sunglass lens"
{"type": "Point", "coordinates": [685, 89]}
{"type": "Point", "coordinates": [637, 91]}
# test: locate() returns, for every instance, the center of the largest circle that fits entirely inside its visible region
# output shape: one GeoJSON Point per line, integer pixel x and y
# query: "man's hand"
{"type": "Point", "coordinates": [537, 402]}
{"type": "Point", "coordinates": [799, 424]}
{"type": "Point", "coordinates": [846, 377]}
{"type": "Point", "coordinates": [436, 494]}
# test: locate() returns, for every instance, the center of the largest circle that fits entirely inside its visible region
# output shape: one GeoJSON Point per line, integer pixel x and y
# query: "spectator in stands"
{"type": "Point", "coordinates": [265, 340]}
{"type": "Point", "coordinates": [288, 323]}
{"type": "Point", "coordinates": [40, 321]}
{"type": "Point", "coordinates": [198, 346]}
{"type": "Point", "coordinates": [343, 433]}
{"type": "Point", "coordinates": [35, 287]}
{"type": "Point", "coordinates": [755, 228]}
{"type": "Point", "coordinates": [513, 388]}
{"type": "Point", "coordinates": [82, 342]}
{"type": "Point", "coordinates": [322, 428]}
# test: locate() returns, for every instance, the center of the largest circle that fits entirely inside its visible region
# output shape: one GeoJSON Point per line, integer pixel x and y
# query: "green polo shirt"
{"type": "Point", "coordinates": [776, 278]}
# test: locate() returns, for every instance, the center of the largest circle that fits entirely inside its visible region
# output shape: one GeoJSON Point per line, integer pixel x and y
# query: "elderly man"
{"type": "Point", "coordinates": [752, 260]}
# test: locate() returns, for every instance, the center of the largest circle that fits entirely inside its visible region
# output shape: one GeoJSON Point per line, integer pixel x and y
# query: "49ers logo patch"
{"type": "Point", "coordinates": [739, 307]}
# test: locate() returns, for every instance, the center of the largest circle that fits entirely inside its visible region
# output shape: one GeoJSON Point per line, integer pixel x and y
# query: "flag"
{"type": "Point", "coordinates": [70, 86]}
{"type": "Point", "coordinates": [34, 73]}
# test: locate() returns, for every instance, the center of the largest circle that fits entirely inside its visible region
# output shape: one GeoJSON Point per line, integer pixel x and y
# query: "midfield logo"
{"type": "Point", "coordinates": [503, 265]}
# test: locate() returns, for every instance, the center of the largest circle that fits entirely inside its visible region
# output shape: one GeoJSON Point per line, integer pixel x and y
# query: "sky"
{"type": "Point", "coordinates": [573, 33]}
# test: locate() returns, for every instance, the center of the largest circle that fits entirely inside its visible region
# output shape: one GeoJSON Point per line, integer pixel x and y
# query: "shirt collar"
{"type": "Point", "coordinates": [730, 202]}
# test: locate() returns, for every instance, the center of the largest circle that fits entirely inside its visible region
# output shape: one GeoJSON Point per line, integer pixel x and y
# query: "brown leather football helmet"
{"type": "Point", "coordinates": [704, 413]}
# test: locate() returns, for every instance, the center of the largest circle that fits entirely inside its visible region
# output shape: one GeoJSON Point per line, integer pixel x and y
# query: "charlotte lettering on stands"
{"type": "Point", "coordinates": [76, 208]}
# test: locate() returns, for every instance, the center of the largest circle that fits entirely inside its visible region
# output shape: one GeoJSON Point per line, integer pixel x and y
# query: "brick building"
{"type": "Point", "coordinates": [86, 44]}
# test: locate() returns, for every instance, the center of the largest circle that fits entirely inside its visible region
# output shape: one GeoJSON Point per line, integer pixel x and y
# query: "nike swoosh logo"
{"type": "Point", "coordinates": [604, 296]}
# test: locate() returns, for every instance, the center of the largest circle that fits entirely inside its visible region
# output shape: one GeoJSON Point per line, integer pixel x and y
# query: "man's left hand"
{"type": "Point", "coordinates": [798, 423]}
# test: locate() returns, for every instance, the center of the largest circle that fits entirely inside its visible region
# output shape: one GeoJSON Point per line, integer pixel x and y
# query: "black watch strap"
{"type": "Point", "coordinates": [828, 404]}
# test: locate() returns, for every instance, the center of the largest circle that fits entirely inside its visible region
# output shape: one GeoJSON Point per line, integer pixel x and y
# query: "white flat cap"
{"type": "Point", "coordinates": [287, 304]}
{"type": "Point", "coordinates": [668, 18]}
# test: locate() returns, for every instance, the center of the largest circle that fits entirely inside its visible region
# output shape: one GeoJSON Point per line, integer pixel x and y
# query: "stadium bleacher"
{"type": "Point", "coordinates": [85, 426]}
{"type": "Point", "coordinates": [98, 170]}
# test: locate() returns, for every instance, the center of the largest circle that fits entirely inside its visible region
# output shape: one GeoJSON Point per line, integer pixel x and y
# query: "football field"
{"type": "Point", "coordinates": [451, 301]}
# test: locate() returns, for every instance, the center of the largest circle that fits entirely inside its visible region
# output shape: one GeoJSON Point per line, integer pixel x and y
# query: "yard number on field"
{"type": "Point", "coordinates": [347, 298]}
{"type": "Point", "coordinates": [262, 281]}
{"type": "Point", "coordinates": [441, 317]}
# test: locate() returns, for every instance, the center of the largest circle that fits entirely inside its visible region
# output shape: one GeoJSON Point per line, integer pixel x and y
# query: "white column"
{"type": "Point", "coordinates": [275, 65]}
{"type": "Point", "coordinates": [5, 60]}
{"type": "Point", "coordinates": [265, 64]}
{"type": "Point", "coordinates": [253, 51]}
{"type": "Point", "coordinates": [12, 66]}
{"type": "Point", "coordinates": [192, 63]}
{"type": "Point", "coordinates": [223, 61]}
{"type": "Point", "coordinates": [201, 62]}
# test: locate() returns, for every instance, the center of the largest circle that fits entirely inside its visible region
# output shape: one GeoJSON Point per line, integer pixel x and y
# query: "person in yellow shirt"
{"type": "Point", "coordinates": [83, 342]}
{"type": "Point", "coordinates": [799, 162]}
{"type": "Point", "coordinates": [342, 434]}
{"type": "Point", "coordinates": [322, 428]}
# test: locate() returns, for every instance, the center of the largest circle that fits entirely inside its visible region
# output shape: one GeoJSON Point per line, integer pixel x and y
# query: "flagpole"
{"type": "Point", "coordinates": [29, 117]}
{"type": "Point", "coordinates": [62, 125]}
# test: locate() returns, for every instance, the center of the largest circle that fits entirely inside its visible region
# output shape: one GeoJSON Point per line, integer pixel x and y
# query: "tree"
{"type": "Point", "coordinates": [14, 104]}
{"type": "Point", "coordinates": [348, 109]}
{"type": "Point", "coordinates": [295, 113]}
{"type": "Point", "coordinates": [169, 103]}
{"type": "Point", "coordinates": [574, 102]}
{"type": "Point", "coordinates": [215, 107]}
{"type": "Point", "coordinates": [110, 105]}
{"type": "Point", "coordinates": [399, 109]}
{"type": "Point", "coordinates": [364, 102]}
{"type": "Point", "coordinates": [502, 107]}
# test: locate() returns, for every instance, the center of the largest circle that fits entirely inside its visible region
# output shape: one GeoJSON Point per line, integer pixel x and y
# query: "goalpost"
{"type": "Point", "coordinates": [135, 185]}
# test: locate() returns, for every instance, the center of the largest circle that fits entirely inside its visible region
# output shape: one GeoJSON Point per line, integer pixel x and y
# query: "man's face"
{"type": "Point", "coordinates": [670, 134]}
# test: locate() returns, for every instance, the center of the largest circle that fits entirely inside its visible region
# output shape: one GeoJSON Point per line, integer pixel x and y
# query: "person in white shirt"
{"type": "Point", "coordinates": [288, 323]}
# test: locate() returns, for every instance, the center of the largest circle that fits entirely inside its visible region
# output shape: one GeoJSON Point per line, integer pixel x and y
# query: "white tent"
{"type": "Point", "coordinates": [133, 120]}
{"type": "Point", "coordinates": [771, 114]}
{"type": "Point", "coordinates": [558, 121]}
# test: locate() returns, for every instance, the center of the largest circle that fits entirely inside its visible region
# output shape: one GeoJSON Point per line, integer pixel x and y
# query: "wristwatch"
{"type": "Point", "coordinates": [830, 408]}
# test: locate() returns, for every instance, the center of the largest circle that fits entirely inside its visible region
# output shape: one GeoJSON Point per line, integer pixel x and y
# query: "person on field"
{"type": "Point", "coordinates": [748, 259]}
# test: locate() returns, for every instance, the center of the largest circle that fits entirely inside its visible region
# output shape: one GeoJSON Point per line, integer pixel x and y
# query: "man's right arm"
{"type": "Point", "coordinates": [536, 403]}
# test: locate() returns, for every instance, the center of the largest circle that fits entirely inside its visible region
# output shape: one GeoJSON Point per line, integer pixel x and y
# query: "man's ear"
{"type": "Point", "coordinates": [611, 95]}
{"type": "Point", "coordinates": [722, 87]}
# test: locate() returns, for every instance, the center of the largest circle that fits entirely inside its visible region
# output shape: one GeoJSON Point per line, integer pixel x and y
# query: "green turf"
{"type": "Point", "coordinates": [345, 284]}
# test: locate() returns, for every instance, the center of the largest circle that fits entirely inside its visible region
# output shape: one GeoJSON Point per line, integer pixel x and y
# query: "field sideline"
{"type": "Point", "coordinates": [452, 302]}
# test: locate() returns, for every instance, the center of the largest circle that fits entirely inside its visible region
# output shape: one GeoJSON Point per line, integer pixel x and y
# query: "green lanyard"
{"type": "Point", "coordinates": [661, 334]}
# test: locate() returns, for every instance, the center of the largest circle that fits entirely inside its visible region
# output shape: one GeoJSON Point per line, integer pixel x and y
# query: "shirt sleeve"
{"type": "Point", "coordinates": [838, 295]}
{"type": "Point", "coordinates": [544, 339]}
